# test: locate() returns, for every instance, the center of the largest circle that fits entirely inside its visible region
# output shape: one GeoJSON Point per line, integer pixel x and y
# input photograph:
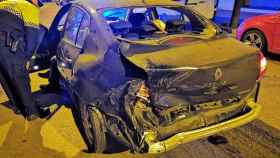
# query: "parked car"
{"type": "Point", "coordinates": [250, 8]}
{"type": "Point", "coordinates": [262, 32]}
{"type": "Point", "coordinates": [152, 74]}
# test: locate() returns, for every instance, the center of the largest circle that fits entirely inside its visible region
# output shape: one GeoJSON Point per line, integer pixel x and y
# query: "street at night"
{"type": "Point", "coordinates": [59, 137]}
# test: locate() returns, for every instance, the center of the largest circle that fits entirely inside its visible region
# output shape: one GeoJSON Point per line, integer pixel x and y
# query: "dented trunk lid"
{"type": "Point", "coordinates": [191, 71]}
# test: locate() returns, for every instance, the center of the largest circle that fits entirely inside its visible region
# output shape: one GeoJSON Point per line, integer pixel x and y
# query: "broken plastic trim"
{"type": "Point", "coordinates": [185, 137]}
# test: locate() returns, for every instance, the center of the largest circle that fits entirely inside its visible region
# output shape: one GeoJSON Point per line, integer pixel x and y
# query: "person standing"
{"type": "Point", "coordinates": [19, 26]}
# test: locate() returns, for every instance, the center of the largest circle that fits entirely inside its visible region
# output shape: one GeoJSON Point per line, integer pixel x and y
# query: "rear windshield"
{"type": "Point", "coordinates": [153, 22]}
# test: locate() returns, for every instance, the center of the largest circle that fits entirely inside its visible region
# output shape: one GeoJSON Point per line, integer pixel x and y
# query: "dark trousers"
{"type": "Point", "coordinates": [16, 81]}
{"type": "Point", "coordinates": [54, 73]}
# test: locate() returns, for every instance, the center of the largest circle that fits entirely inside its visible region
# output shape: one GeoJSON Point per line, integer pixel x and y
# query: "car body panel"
{"type": "Point", "coordinates": [268, 25]}
{"type": "Point", "coordinates": [195, 73]}
{"type": "Point", "coordinates": [185, 137]}
{"type": "Point", "coordinates": [175, 56]}
{"type": "Point", "coordinates": [276, 38]}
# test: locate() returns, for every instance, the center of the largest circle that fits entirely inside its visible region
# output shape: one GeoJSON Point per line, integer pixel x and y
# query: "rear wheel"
{"type": "Point", "coordinates": [256, 39]}
{"type": "Point", "coordinates": [90, 124]}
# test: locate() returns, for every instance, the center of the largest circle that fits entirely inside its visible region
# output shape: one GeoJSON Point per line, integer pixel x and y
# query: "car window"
{"type": "Point", "coordinates": [77, 27]}
{"type": "Point", "coordinates": [73, 24]}
{"type": "Point", "coordinates": [83, 31]}
{"type": "Point", "coordinates": [143, 23]}
{"type": "Point", "coordinates": [166, 14]}
{"type": "Point", "coordinates": [173, 17]}
{"type": "Point", "coordinates": [62, 21]}
{"type": "Point", "coordinates": [117, 14]}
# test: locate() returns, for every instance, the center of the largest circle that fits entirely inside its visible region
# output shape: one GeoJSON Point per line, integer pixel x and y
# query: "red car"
{"type": "Point", "coordinates": [262, 32]}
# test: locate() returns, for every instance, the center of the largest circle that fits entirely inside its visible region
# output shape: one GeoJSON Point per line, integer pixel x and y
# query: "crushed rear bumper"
{"type": "Point", "coordinates": [185, 137]}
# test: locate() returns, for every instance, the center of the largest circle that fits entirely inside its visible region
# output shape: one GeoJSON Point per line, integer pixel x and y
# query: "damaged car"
{"type": "Point", "coordinates": [152, 74]}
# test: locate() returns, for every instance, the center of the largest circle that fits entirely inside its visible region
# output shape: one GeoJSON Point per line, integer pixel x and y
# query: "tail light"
{"type": "Point", "coordinates": [262, 66]}
{"type": "Point", "coordinates": [143, 92]}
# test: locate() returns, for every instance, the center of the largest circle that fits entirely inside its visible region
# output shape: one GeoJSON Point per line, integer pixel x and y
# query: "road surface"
{"type": "Point", "coordinates": [59, 137]}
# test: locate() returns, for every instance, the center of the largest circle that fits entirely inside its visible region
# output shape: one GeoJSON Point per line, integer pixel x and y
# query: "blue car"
{"type": "Point", "coordinates": [151, 74]}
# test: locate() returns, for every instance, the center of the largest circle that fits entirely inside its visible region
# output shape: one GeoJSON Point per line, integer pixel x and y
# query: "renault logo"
{"type": "Point", "coordinates": [218, 74]}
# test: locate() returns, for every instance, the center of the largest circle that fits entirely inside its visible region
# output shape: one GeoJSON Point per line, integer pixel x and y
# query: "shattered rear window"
{"type": "Point", "coordinates": [154, 22]}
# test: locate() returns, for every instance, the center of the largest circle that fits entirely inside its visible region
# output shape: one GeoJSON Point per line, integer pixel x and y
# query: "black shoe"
{"type": "Point", "coordinates": [51, 88]}
{"type": "Point", "coordinates": [32, 117]}
{"type": "Point", "coordinates": [44, 112]}
{"type": "Point", "coordinates": [17, 111]}
{"type": "Point", "coordinates": [32, 114]}
{"type": "Point", "coordinates": [44, 75]}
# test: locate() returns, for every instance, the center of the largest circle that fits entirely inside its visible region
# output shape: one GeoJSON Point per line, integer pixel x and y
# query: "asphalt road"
{"type": "Point", "coordinates": [59, 137]}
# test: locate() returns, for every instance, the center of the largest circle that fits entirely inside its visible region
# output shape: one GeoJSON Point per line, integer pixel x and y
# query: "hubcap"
{"type": "Point", "coordinates": [254, 40]}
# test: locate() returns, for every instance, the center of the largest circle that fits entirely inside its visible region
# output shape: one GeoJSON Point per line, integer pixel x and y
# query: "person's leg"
{"type": "Point", "coordinates": [21, 82]}
{"type": "Point", "coordinates": [5, 79]}
{"type": "Point", "coordinates": [14, 60]}
{"type": "Point", "coordinates": [54, 73]}
{"type": "Point", "coordinates": [13, 101]}
{"type": "Point", "coordinates": [17, 73]}
{"type": "Point", "coordinates": [54, 77]}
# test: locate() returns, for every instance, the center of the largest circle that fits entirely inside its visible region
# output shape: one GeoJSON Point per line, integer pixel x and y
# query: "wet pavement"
{"type": "Point", "coordinates": [59, 137]}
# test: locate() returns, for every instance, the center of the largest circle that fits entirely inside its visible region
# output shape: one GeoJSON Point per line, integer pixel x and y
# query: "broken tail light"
{"type": "Point", "coordinates": [143, 92]}
{"type": "Point", "coordinates": [262, 66]}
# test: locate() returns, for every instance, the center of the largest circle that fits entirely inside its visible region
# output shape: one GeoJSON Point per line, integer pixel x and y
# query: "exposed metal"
{"type": "Point", "coordinates": [157, 93]}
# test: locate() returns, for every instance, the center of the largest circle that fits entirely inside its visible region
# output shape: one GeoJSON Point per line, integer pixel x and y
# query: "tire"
{"type": "Point", "coordinates": [90, 124]}
{"type": "Point", "coordinates": [256, 39]}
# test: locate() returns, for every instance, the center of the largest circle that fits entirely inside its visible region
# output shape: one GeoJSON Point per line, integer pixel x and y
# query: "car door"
{"type": "Point", "coordinates": [48, 40]}
{"type": "Point", "coordinates": [56, 29]}
{"type": "Point", "coordinates": [71, 46]}
{"type": "Point", "coordinates": [276, 37]}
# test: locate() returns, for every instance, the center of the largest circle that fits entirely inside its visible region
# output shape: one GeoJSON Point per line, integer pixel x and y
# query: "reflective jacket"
{"type": "Point", "coordinates": [28, 14]}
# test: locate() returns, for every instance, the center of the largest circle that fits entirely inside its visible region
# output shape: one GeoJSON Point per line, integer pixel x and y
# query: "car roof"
{"type": "Point", "coordinates": [98, 4]}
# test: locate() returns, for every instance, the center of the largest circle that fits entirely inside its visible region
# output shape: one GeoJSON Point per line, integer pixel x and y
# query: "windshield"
{"type": "Point", "coordinates": [153, 22]}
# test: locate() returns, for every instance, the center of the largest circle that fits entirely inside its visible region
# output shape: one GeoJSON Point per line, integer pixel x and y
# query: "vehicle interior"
{"type": "Point", "coordinates": [139, 23]}
{"type": "Point", "coordinates": [152, 22]}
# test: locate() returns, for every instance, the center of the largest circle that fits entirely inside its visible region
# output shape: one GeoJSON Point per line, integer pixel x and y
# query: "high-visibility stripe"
{"type": "Point", "coordinates": [23, 9]}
